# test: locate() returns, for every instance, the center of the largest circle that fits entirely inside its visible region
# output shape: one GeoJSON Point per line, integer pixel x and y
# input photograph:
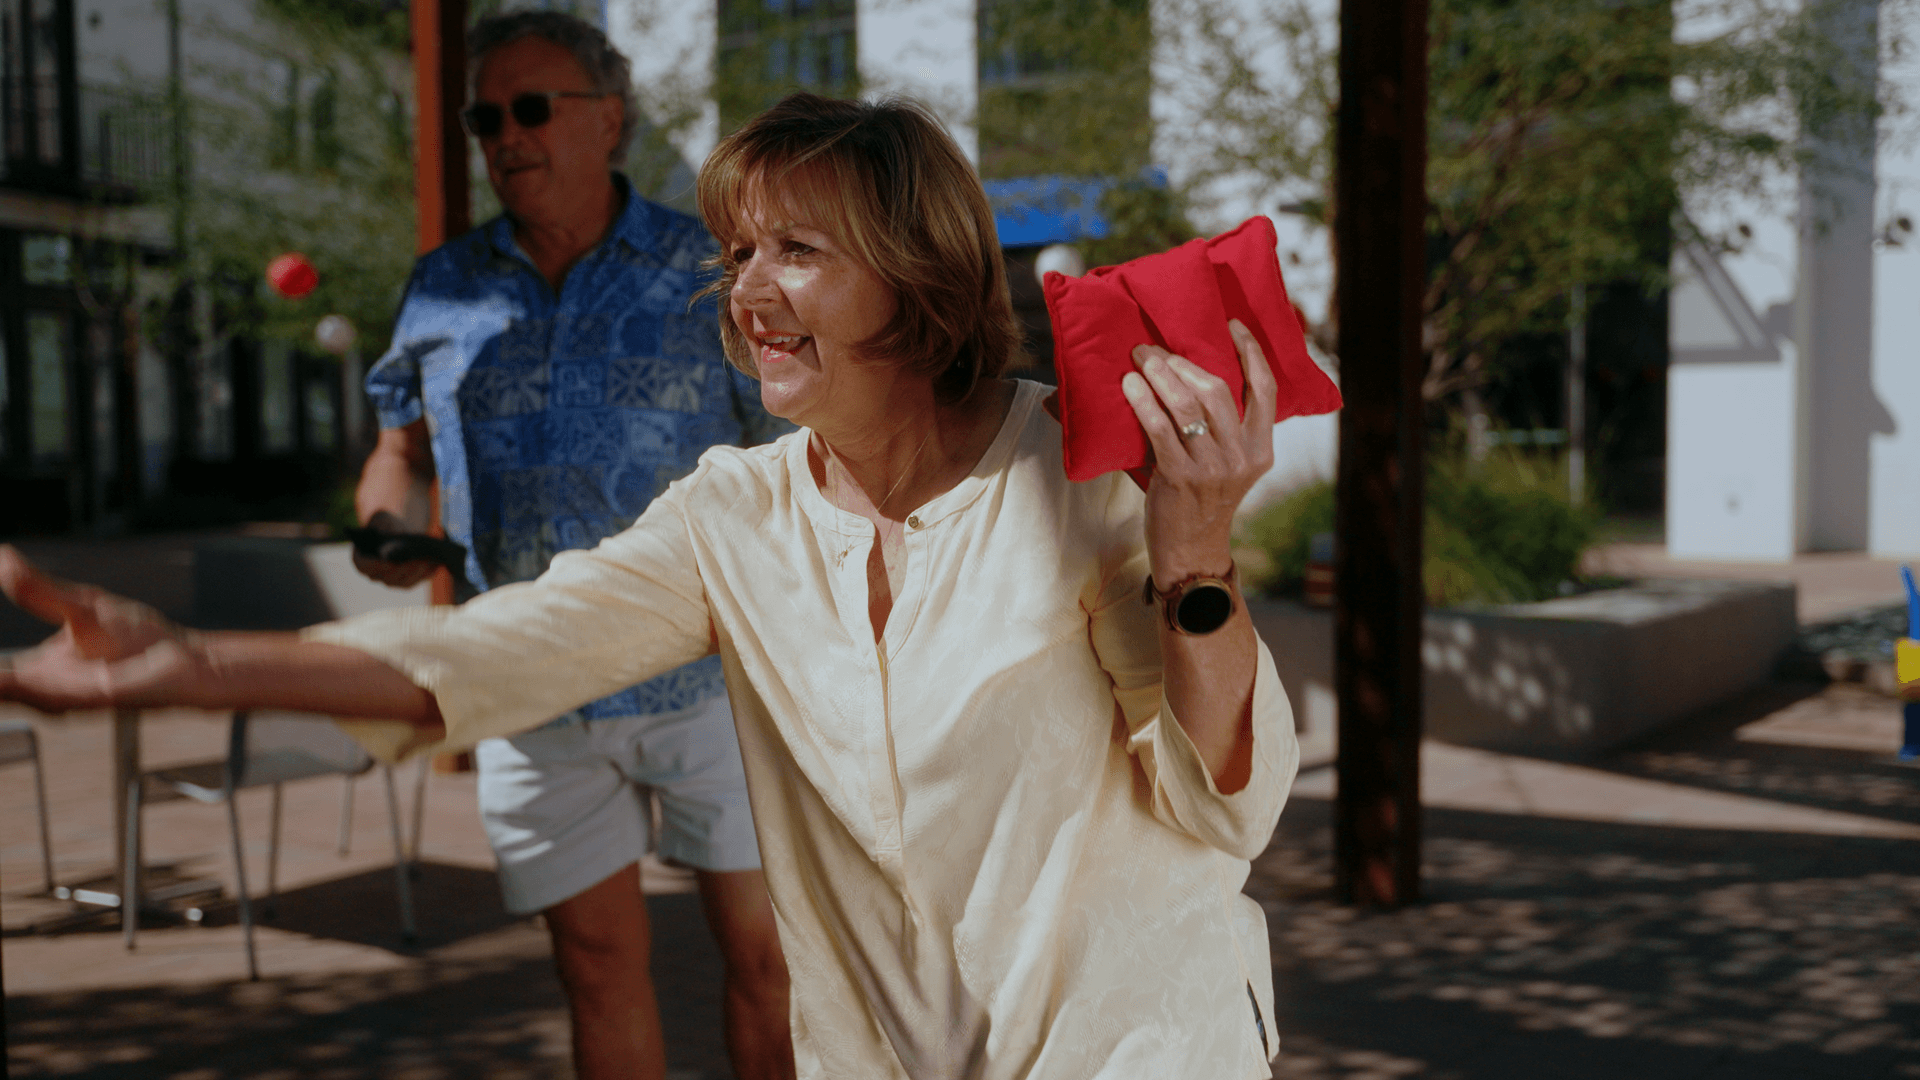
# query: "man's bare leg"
{"type": "Point", "coordinates": [759, 1031]}
{"type": "Point", "coordinates": [602, 944]}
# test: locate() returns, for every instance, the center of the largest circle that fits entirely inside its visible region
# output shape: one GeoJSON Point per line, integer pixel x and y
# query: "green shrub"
{"type": "Point", "coordinates": [1499, 532]}
{"type": "Point", "coordinates": [1283, 531]}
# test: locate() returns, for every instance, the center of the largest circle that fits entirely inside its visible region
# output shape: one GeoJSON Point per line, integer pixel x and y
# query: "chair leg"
{"type": "Point", "coordinates": [419, 811]}
{"type": "Point", "coordinates": [240, 875]}
{"type": "Point", "coordinates": [130, 876]}
{"type": "Point", "coordinates": [270, 908]}
{"type": "Point", "coordinates": [40, 801]}
{"type": "Point", "coordinates": [402, 877]}
{"type": "Point", "coordinates": [346, 815]}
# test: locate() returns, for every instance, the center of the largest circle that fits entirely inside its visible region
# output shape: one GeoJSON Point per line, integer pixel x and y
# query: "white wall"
{"type": "Point", "coordinates": [927, 50]}
{"type": "Point", "coordinates": [120, 41]}
{"type": "Point", "coordinates": [1840, 414]}
{"type": "Point", "coordinates": [1895, 454]}
{"type": "Point", "coordinates": [1730, 467]}
{"type": "Point", "coordinates": [1732, 408]}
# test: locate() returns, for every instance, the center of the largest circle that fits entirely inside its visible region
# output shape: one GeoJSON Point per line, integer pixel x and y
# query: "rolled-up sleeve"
{"type": "Point", "coordinates": [1126, 639]}
{"type": "Point", "coordinates": [517, 656]}
{"type": "Point", "coordinates": [393, 383]}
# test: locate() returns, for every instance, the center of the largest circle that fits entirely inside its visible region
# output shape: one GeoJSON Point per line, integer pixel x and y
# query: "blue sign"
{"type": "Point", "coordinates": [1035, 210]}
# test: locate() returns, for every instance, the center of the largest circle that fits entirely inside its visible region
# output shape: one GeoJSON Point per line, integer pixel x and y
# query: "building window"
{"type": "Point", "coordinates": [1063, 87]}
{"type": "Point", "coordinates": [36, 89]}
{"type": "Point", "coordinates": [322, 426]}
{"type": "Point", "coordinates": [770, 48]}
{"type": "Point", "coordinates": [213, 377]}
{"type": "Point", "coordinates": [323, 117]}
{"type": "Point", "coordinates": [283, 139]}
{"type": "Point", "coordinates": [45, 259]}
{"type": "Point", "coordinates": [277, 434]}
{"type": "Point", "coordinates": [101, 364]}
{"type": "Point", "coordinates": [49, 386]}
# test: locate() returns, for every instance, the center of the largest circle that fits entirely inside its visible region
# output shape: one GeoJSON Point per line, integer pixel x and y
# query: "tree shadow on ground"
{"type": "Point", "coordinates": [1557, 948]}
{"type": "Point", "coordinates": [470, 1006]}
{"type": "Point", "coordinates": [1708, 751]}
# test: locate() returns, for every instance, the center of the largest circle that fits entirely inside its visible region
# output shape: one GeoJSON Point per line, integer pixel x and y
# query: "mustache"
{"type": "Point", "coordinates": [506, 160]}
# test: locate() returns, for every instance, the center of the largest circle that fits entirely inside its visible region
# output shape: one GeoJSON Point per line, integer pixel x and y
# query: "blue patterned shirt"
{"type": "Point", "coordinates": [554, 421]}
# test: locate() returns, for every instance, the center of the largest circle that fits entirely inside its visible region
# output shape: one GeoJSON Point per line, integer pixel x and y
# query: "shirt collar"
{"type": "Point", "coordinates": [633, 228]}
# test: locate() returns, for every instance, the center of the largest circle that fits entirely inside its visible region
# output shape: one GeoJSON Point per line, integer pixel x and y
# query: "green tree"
{"type": "Point", "coordinates": [325, 169]}
{"type": "Point", "coordinates": [1065, 90]}
{"type": "Point", "coordinates": [1562, 137]}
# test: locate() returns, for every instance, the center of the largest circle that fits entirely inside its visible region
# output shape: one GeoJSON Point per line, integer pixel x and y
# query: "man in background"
{"type": "Point", "coordinates": [547, 370]}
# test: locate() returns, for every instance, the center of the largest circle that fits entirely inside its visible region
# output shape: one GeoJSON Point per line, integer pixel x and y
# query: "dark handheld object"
{"type": "Point", "coordinates": [409, 547]}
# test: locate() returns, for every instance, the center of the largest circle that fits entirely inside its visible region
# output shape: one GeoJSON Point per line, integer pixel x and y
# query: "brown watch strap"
{"type": "Point", "coordinates": [1170, 599]}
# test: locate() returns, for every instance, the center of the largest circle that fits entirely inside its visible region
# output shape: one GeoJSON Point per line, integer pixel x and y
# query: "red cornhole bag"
{"type": "Point", "coordinates": [1180, 300]}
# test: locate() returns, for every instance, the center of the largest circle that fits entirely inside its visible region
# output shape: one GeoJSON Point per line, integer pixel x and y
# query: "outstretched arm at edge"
{"type": "Point", "coordinates": [111, 652]}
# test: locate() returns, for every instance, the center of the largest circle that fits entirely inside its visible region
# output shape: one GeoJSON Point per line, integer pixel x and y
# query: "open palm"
{"type": "Point", "coordinates": [108, 651]}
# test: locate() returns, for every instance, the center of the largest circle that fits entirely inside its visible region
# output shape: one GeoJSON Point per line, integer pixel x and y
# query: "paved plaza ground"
{"type": "Point", "coordinates": [1737, 899]}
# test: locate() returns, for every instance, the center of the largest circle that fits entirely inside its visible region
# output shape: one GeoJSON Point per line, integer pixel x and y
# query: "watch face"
{"type": "Point", "coordinates": [1204, 609]}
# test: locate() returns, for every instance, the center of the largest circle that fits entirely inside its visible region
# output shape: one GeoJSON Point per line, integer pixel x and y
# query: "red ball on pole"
{"type": "Point", "coordinates": [292, 276]}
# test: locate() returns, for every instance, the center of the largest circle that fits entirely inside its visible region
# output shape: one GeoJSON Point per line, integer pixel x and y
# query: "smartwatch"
{"type": "Point", "coordinates": [1196, 606]}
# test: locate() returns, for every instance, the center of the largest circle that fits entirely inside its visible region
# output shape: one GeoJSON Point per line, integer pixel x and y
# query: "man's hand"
{"type": "Point", "coordinates": [401, 575]}
{"type": "Point", "coordinates": [109, 651]}
{"type": "Point", "coordinates": [396, 496]}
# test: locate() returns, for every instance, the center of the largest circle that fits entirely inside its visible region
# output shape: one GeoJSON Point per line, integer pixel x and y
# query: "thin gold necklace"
{"type": "Point", "coordinates": [880, 507]}
{"type": "Point", "coordinates": [879, 529]}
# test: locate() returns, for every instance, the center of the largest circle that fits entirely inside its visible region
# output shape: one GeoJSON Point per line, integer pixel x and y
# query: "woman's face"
{"type": "Point", "coordinates": [805, 303]}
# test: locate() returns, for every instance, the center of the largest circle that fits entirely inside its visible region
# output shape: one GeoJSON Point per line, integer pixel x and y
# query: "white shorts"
{"type": "Point", "coordinates": [566, 806]}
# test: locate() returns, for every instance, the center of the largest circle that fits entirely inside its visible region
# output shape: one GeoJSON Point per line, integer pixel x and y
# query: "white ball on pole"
{"type": "Point", "coordinates": [1058, 258]}
{"type": "Point", "coordinates": [335, 333]}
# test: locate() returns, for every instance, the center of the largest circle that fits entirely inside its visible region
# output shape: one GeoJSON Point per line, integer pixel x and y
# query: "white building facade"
{"type": "Point", "coordinates": [1794, 388]}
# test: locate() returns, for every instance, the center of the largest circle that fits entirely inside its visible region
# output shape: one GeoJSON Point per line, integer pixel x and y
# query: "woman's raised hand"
{"type": "Point", "coordinates": [108, 651]}
{"type": "Point", "coordinates": [1206, 455]}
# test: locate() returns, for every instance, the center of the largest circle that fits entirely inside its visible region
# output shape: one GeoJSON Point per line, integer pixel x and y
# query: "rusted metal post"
{"type": "Point", "coordinates": [440, 154]}
{"type": "Point", "coordinates": [1379, 235]}
{"type": "Point", "coordinates": [440, 91]}
{"type": "Point", "coordinates": [440, 180]}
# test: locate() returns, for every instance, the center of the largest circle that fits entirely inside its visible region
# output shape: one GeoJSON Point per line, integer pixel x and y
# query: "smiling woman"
{"type": "Point", "coordinates": [1005, 808]}
{"type": "Point", "coordinates": [888, 189]}
{"type": "Point", "coordinates": [805, 306]}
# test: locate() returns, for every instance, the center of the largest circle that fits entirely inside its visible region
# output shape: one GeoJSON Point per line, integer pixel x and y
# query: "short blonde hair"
{"type": "Point", "coordinates": [886, 180]}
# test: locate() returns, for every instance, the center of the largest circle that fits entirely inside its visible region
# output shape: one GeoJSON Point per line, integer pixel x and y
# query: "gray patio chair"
{"type": "Point", "coordinates": [268, 749]}
{"type": "Point", "coordinates": [422, 768]}
{"type": "Point", "coordinates": [19, 742]}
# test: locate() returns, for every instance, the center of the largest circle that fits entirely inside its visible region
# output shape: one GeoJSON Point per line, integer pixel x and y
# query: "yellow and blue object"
{"type": "Point", "coordinates": [1906, 666]}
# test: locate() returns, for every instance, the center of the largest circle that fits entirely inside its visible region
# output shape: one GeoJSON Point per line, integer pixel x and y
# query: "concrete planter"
{"type": "Point", "coordinates": [1563, 678]}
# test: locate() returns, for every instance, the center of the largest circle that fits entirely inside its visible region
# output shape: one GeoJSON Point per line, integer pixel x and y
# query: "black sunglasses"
{"type": "Point", "coordinates": [484, 119]}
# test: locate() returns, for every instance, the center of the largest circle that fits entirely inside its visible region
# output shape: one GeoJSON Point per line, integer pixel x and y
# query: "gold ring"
{"type": "Point", "coordinates": [1193, 430]}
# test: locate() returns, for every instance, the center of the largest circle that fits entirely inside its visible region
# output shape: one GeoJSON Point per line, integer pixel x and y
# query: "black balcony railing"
{"type": "Point", "coordinates": [126, 142]}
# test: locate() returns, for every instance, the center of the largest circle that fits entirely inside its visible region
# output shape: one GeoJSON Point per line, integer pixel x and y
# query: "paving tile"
{"type": "Point", "coordinates": [342, 995]}
{"type": "Point", "coordinates": [1735, 900]}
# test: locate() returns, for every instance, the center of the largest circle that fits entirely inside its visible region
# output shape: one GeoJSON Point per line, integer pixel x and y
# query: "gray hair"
{"type": "Point", "coordinates": [606, 66]}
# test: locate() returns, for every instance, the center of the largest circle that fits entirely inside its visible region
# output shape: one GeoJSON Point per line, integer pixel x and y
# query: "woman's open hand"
{"type": "Point", "coordinates": [108, 651]}
{"type": "Point", "coordinates": [1206, 455]}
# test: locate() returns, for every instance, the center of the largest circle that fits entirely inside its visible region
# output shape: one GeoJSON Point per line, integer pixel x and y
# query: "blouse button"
{"type": "Point", "coordinates": [913, 521]}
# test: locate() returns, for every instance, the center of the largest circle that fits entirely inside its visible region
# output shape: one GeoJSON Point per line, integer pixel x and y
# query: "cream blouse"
{"type": "Point", "coordinates": [992, 852]}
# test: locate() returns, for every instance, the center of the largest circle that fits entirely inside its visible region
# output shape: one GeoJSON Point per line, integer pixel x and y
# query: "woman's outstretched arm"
{"type": "Point", "coordinates": [111, 652]}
